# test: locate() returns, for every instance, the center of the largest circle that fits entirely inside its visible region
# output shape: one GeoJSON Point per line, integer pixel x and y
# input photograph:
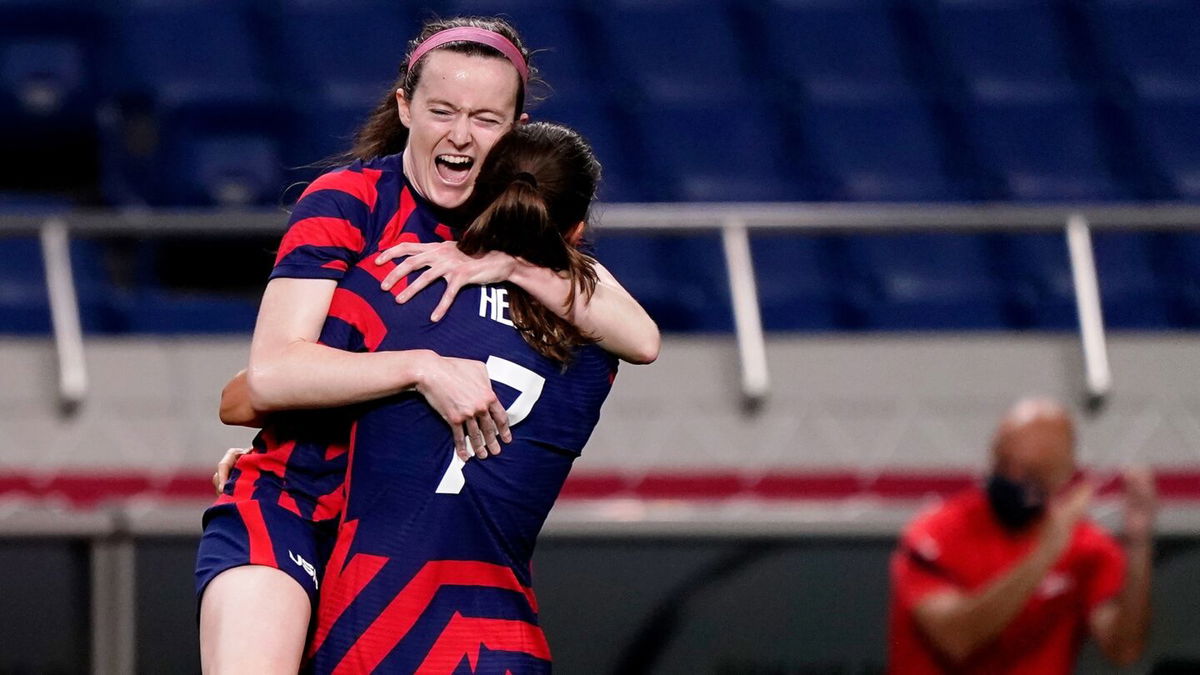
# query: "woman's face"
{"type": "Point", "coordinates": [461, 106]}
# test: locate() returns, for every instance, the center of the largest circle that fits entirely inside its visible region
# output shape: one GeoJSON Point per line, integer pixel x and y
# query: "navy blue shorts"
{"type": "Point", "coordinates": [253, 532]}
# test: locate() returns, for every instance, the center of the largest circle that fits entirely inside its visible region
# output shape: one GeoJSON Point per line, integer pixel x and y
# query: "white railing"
{"type": "Point", "coordinates": [734, 220]}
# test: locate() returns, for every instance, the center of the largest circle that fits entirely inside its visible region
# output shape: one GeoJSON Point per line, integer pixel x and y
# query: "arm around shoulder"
{"type": "Point", "coordinates": [611, 314]}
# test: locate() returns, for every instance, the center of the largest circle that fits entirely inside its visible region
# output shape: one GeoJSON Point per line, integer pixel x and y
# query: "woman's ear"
{"type": "Point", "coordinates": [403, 107]}
{"type": "Point", "coordinates": [575, 234]}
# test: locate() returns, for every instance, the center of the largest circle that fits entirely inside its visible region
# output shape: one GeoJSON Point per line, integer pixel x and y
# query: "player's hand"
{"type": "Point", "coordinates": [1065, 511]}
{"type": "Point", "coordinates": [225, 466]}
{"type": "Point", "coordinates": [461, 392]}
{"type": "Point", "coordinates": [1141, 501]}
{"type": "Point", "coordinates": [443, 260]}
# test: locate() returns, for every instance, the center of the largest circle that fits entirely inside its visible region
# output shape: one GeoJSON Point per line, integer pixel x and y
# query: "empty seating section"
{"type": "Point", "coordinates": [1153, 44]}
{"type": "Point", "coordinates": [336, 59]}
{"type": "Point", "coordinates": [1154, 58]}
{"type": "Point", "coordinates": [877, 150]}
{"type": "Point", "coordinates": [219, 103]}
{"type": "Point", "coordinates": [912, 281]}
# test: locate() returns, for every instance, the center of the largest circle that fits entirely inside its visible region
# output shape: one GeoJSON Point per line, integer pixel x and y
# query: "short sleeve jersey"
{"type": "Point", "coordinates": [431, 569]}
{"type": "Point", "coordinates": [961, 545]}
{"type": "Point", "coordinates": [344, 217]}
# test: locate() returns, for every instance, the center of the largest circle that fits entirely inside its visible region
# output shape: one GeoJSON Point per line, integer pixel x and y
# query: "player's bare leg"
{"type": "Point", "coordinates": [254, 620]}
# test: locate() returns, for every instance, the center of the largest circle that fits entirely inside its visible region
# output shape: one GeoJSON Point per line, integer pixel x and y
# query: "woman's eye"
{"type": "Point", "coordinates": [489, 121]}
{"type": "Point", "coordinates": [440, 113]}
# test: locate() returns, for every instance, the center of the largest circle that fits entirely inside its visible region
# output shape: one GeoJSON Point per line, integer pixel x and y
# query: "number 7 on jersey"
{"type": "Point", "coordinates": [529, 387]}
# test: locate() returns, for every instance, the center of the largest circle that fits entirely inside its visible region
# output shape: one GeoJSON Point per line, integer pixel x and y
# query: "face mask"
{"type": "Point", "coordinates": [1015, 503]}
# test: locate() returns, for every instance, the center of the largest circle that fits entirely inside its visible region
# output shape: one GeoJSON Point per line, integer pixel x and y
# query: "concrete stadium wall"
{"type": "Point", "coordinates": [860, 404]}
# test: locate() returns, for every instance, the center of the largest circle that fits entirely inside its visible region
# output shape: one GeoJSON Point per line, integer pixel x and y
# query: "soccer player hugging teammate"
{"type": "Point", "coordinates": [431, 566]}
{"type": "Point", "coordinates": [414, 168]}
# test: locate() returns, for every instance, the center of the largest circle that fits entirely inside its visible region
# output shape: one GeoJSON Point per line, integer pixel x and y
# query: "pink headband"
{"type": "Point", "coordinates": [477, 35]}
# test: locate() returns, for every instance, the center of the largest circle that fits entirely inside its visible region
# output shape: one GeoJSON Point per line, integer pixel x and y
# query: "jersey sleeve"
{"type": "Point", "coordinates": [328, 231]}
{"type": "Point", "coordinates": [918, 568]}
{"type": "Point", "coordinates": [1107, 573]}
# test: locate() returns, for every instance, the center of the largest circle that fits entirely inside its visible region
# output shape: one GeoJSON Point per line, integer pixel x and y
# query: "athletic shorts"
{"type": "Point", "coordinates": [253, 532]}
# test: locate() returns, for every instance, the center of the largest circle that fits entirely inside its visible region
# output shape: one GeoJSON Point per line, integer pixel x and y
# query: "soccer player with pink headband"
{"type": "Point", "coordinates": [414, 164]}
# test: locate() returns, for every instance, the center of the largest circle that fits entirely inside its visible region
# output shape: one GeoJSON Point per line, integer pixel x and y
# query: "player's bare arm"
{"type": "Point", "coordinates": [959, 623]}
{"type": "Point", "coordinates": [1121, 625]}
{"type": "Point", "coordinates": [610, 314]}
{"type": "Point", "coordinates": [289, 369]}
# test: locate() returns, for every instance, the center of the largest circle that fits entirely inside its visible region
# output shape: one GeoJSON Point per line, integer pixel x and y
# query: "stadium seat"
{"type": "Point", "coordinates": [600, 125]}
{"type": "Point", "coordinates": [795, 280]}
{"type": "Point", "coordinates": [1043, 149]}
{"type": "Point", "coordinates": [672, 50]}
{"type": "Point", "coordinates": [1179, 253]}
{"type": "Point", "coordinates": [177, 52]}
{"type": "Point", "coordinates": [195, 119]}
{"type": "Point", "coordinates": [922, 281]}
{"type": "Point", "coordinates": [199, 155]}
{"type": "Point", "coordinates": [24, 303]}
{"type": "Point", "coordinates": [881, 149]}
{"type": "Point", "coordinates": [158, 311]}
{"type": "Point", "coordinates": [49, 91]}
{"type": "Point", "coordinates": [1038, 269]}
{"type": "Point", "coordinates": [1152, 43]}
{"type": "Point", "coordinates": [807, 41]}
{"type": "Point", "coordinates": [679, 279]}
{"type": "Point", "coordinates": [553, 30]}
{"type": "Point", "coordinates": [340, 49]}
{"type": "Point", "coordinates": [48, 52]}
{"type": "Point", "coordinates": [1002, 48]}
{"type": "Point", "coordinates": [1170, 135]}
{"type": "Point", "coordinates": [714, 151]}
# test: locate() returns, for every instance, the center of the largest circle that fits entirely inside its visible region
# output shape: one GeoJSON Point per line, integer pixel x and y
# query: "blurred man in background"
{"type": "Point", "coordinates": [1011, 577]}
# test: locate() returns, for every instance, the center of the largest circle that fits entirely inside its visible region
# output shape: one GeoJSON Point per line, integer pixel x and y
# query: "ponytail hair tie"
{"type": "Point", "coordinates": [526, 177]}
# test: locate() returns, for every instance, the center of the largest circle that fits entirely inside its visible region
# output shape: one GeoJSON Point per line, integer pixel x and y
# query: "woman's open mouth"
{"type": "Point", "coordinates": [453, 169]}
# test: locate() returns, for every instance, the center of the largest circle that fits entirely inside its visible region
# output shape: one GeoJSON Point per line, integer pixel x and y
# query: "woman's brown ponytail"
{"type": "Point", "coordinates": [534, 188]}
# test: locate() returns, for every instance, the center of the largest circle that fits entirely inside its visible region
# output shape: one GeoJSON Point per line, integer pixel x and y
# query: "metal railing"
{"type": "Point", "coordinates": [734, 221]}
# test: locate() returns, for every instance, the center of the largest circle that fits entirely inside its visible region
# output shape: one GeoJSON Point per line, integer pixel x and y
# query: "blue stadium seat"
{"type": "Point", "coordinates": [553, 30]}
{"type": "Point", "coordinates": [339, 48]}
{"type": "Point", "coordinates": [47, 58]}
{"type": "Point", "coordinates": [679, 279]}
{"type": "Point", "coordinates": [49, 92]}
{"type": "Point", "coordinates": [1180, 256]}
{"type": "Point", "coordinates": [196, 120]}
{"type": "Point", "coordinates": [881, 149]}
{"type": "Point", "coordinates": [322, 126]}
{"type": "Point", "coordinates": [177, 52]}
{"type": "Point", "coordinates": [44, 78]}
{"type": "Point", "coordinates": [796, 281]}
{"type": "Point", "coordinates": [922, 281]}
{"type": "Point", "coordinates": [1153, 43]}
{"type": "Point", "coordinates": [159, 311]}
{"type": "Point", "coordinates": [672, 50]}
{"type": "Point", "coordinates": [24, 303]}
{"type": "Point", "coordinates": [837, 49]}
{"type": "Point", "coordinates": [718, 151]}
{"type": "Point", "coordinates": [1043, 149]}
{"type": "Point", "coordinates": [598, 124]}
{"type": "Point", "coordinates": [1038, 269]}
{"type": "Point", "coordinates": [1003, 48]}
{"type": "Point", "coordinates": [200, 155]}
{"type": "Point", "coordinates": [1170, 132]}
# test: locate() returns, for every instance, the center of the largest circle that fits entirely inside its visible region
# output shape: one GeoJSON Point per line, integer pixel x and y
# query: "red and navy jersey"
{"type": "Point", "coordinates": [343, 218]}
{"type": "Point", "coordinates": [431, 570]}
